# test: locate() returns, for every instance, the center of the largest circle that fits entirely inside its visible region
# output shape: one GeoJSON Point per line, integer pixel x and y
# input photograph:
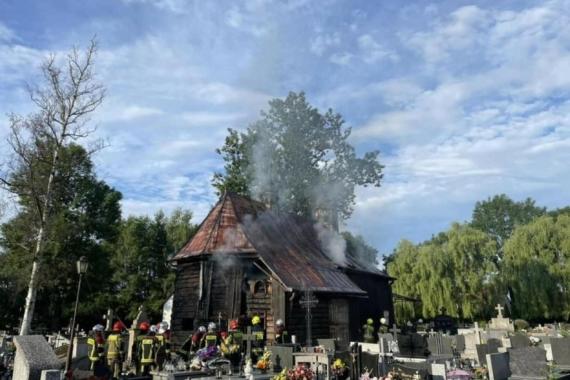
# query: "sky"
{"type": "Point", "coordinates": [463, 99]}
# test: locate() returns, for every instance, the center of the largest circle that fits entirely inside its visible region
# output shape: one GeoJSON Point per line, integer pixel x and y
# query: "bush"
{"type": "Point", "coordinates": [521, 324]}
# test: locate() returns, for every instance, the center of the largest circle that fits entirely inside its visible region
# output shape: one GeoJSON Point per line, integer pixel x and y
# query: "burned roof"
{"type": "Point", "coordinates": [287, 244]}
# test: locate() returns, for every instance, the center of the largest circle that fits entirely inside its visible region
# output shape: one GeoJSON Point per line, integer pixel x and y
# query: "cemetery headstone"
{"type": "Point", "coordinates": [438, 371]}
{"type": "Point", "coordinates": [528, 362]}
{"type": "Point", "coordinates": [500, 322]}
{"type": "Point", "coordinates": [561, 352]}
{"type": "Point", "coordinates": [459, 343]}
{"type": "Point", "coordinates": [519, 341]}
{"type": "Point", "coordinates": [483, 350]}
{"type": "Point", "coordinates": [498, 366]}
{"type": "Point", "coordinates": [51, 374]}
{"type": "Point", "coordinates": [412, 345]}
{"type": "Point", "coordinates": [385, 340]}
{"type": "Point", "coordinates": [281, 356]}
{"type": "Point", "coordinates": [444, 323]}
{"type": "Point", "coordinates": [33, 355]}
{"type": "Point", "coordinates": [440, 346]}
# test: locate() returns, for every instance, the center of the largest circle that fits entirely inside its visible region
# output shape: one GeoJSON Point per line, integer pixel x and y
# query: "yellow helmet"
{"type": "Point", "coordinates": [369, 321]}
{"type": "Point", "coordinates": [255, 320]}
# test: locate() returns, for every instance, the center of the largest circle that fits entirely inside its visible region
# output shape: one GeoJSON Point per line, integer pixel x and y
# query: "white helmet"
{"type": "Point", "coordinates": [279, 322]}
{"type": "Point", "coordinates": [202, 329]}
{"type": "Point", "coordinates": [98, 328]}
{"type": "Point", "coordinates": [383, 320]}
{"type": "Point", "coordinates": [162, 327]}
{"type": "Point", "coordinates": [409, 324]}
{"type": "Point", "coordinates": [420, 321]}
{"type": "Point", "coordinates": [153, 329]}
{"type": "Point", "coordinates": [211, 326]}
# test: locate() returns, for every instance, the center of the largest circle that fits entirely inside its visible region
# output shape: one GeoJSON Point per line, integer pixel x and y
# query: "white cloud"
{"type": "Point", "coordinates": [6, 34]}
{"type": "Point", "coordinates": [341, 59]}
{"type": "Point", "coordinates": [324, 42]}
{"type": "Point", "coordinates": [372, 51]}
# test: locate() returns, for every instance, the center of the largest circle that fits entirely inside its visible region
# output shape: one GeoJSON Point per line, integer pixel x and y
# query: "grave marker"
{"type": "Point", "coordinates": [308, 301]}
{"type": "Point", "coordinates": [498, 366]}
{"type": "Point", "coordinates": [33, 355]}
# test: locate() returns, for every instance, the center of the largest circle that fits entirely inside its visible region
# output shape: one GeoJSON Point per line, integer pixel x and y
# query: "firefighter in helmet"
{"type": "Point", "coordinates": [115, 349]}
{"type": "Point", "coordinates": [281, 334]}
{"type": "Point", "coordinates": [163, 342]}
{"type": "Point", "coordinates": [96, 345]}
{"type": "Point", "coordinates": [383, 329]}
{"type": "Point", "coordinates": [147, 349]}
{"type": "Point", "coordinates": [211, 339]}
{"type": "Point", "coordinates": [231, 345]}
{"type": "Point", "coordinates": [259, 337]}
{"type": "Point", "coordinates": [368, 331]}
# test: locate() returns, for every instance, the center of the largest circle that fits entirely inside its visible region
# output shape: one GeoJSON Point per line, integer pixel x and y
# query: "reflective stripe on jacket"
{"type": "Point", "coordinates": [147, 350]}
{"type": "Point", "coordinates": [114, 343]}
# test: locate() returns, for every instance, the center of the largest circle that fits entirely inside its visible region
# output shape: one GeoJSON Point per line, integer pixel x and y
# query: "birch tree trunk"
{"type": "Point", "coordinates": [64, 102]}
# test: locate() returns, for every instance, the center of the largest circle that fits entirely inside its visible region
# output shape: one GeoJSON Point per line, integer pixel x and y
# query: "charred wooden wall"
{"type": "Point", "coordinates": [185, 302]}
{"type": "Point", "coordinates": [295, 317]}
{"type": "Point", "coordinates": [379, 299]}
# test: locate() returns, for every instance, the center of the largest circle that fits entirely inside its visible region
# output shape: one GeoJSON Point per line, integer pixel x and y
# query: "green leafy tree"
{"type": "Point", "coordinates": [498, 216]}
{"type": "Point", "coordinates": [142, 272]}
{"type": "Point", "coordinates": [297, 159]}
{"type": "Point", "coordinates": [83, 221]}
{"type": "Point", "coordinates": [453, 271]}
{"type": "Point", "coordinates": [537, 269]}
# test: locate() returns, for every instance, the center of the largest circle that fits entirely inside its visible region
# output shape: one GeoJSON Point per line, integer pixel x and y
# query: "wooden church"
{"type": "Point", "coordinates": [246, 259]}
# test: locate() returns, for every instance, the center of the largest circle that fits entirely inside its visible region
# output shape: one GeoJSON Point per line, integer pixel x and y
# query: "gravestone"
{"type": "Point", "coordinates": [412, 345]}
{"type": "Point", "coordinates": [370, 362]}
{"type": "Point", "coordinates": [281, 356]}
{"type": "Point", "coordinates": [386, 341]}
{"type": "Point", "coordinates": [440, 346]}
{"type": "Point", "coordinates": [498, 366]}
{"type": "Point", "coordinates": [459, 343]}
{"type": "Point", "coordinates": [328, 344]}
{"type": "Point", "coordinates": [528, 362]}
{"type": "Point", "coordinates": [51, 374]}
{"type": "Point", "coordinates": [501, 323]}
{"type": "Point", "coordinates": [520, 341]}
{"type": "Point", "coordinates": [561, 352]}
{"type": "Point", "coordinates": [33, 355]}
{"type": "Point", "coordinates": [483, 350]}
{"type": "Point", "coordinates": [438, 371]}
{"type": "Point", "coordinates": [494, 344]}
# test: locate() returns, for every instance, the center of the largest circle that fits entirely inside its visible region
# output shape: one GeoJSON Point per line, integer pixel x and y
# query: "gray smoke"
{"type": "Point", "coordinates": [332, 243]}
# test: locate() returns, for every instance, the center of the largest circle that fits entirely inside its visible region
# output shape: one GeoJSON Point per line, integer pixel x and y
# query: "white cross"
{"type": "Point", "coordinates": [499, 309]}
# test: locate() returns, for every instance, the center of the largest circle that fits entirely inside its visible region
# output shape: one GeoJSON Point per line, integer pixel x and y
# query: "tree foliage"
{"type": "Point", "coordinates": [537, 269]}
{"type": "Point", "coordinates": [83, 221]}
{"type": "Point", "coordinates": [297, 159]}
{"type": "Point", "coordinates": [357, 248]}
{"type": "Point", "coordinates": [141, 270]}
{"type": "Point", "coordinates": [466, 270]}
{"type": "Point", "coordinates": [498, 216]}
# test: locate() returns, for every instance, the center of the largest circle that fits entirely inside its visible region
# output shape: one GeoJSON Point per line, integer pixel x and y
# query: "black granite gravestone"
{"type": "Point", "coordinates": [519, 341]}
{"type": "Point", "coordinates": [528, 363]}
{"type": "Point", "coordinates": [561, 352]}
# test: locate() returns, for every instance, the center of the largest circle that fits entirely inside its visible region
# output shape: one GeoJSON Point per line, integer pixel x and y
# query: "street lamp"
{"type": "Point", "coordinates": [82, 265]}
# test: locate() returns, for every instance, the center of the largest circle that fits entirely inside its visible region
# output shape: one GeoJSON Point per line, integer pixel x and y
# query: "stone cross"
{"type": "Point", "coordinates": [499, 309]}
{"type": "Point", "coordinates": [248, 338]}
{"type": "Point", "coordinates": [477, 333]}
{"type": "Point", "coordinates": [219, 321]}
{"type": "Point", "coordinates": [395, 331]}
{"type": "Point", "coordinates": [308, 302]}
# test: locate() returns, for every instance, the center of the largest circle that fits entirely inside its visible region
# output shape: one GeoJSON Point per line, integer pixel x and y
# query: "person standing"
{"type": "Point", "coordinates": [116, 349]}
{"type": "Point", "coordinates": [281, 334]}
{"type": "Point", "coordinates": [96, 346]}
{"type": "Point", "coordinates": [368, 331]}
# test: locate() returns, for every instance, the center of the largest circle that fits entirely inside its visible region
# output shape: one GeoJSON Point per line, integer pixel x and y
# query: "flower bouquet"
{"type": "Point", "coordinates": [300, 373]}
{"type": "Point", "coordinates": [339, 369]}
{"type": "Point", "coordinates": [264, 363]}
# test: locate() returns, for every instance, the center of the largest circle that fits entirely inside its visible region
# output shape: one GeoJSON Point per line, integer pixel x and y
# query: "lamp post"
{"type": "Point", "coordinates": [82, 266]}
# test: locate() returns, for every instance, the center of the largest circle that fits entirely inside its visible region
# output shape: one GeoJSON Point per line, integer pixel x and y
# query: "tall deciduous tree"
{"type": "Point", "coordinates": [142, 273]}
{"type": "Point", "coordinates": [68, 95]}
{"type": "Point", "coordinates": [83, 220]}
{"type": "Point", "coordinates": [297, 159]}
{"type": "Point", "coordinates": [498, 216]}
{"type": "Point", "coordinates": [537, 268]}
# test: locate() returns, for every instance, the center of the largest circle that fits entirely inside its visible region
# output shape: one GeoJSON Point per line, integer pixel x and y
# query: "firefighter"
{"type": "Point", "coordinates": [163, 344]}
{"type": "Point", "coordinates": [231, 346]}
{"type": "Point", "coordinates": [259, 337]}
{"type": "Point", "coordinates": [211, 339]}
{"type": "Point", "coordinates": [115, 349]}
{"type": "Point", "coordinates": [281, 334]}
{"type": "Point", "coordinates": [368, 331]}
{"type": "Point", "coordinates": [147, 350]}
{"type": "Point", "coordinates": [198, 339]}
{"type": "Point", "coordinates": [96, 346]}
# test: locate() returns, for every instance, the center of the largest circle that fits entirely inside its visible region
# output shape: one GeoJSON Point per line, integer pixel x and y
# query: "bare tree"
{"type": "Point", "coordinates": [70, 93]}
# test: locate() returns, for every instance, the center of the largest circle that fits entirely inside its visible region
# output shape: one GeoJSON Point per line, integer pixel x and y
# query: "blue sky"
{"type": "Point", "coordinates": [464, 99]}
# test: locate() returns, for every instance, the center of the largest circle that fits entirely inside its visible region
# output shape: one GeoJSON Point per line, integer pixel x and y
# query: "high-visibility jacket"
{"type": "Point", "coordinates": [282, 337]}
{"type": "Point", "coordinates": [211, 339]}
{"type": "Point", "coordinates": [237, 337]}
{"type": "Point", "coordinates": [114, 346]}
{"type": "Point", "coordinates": [93, 349]}
{"type": "Point", "coordinates": [147, 349]}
